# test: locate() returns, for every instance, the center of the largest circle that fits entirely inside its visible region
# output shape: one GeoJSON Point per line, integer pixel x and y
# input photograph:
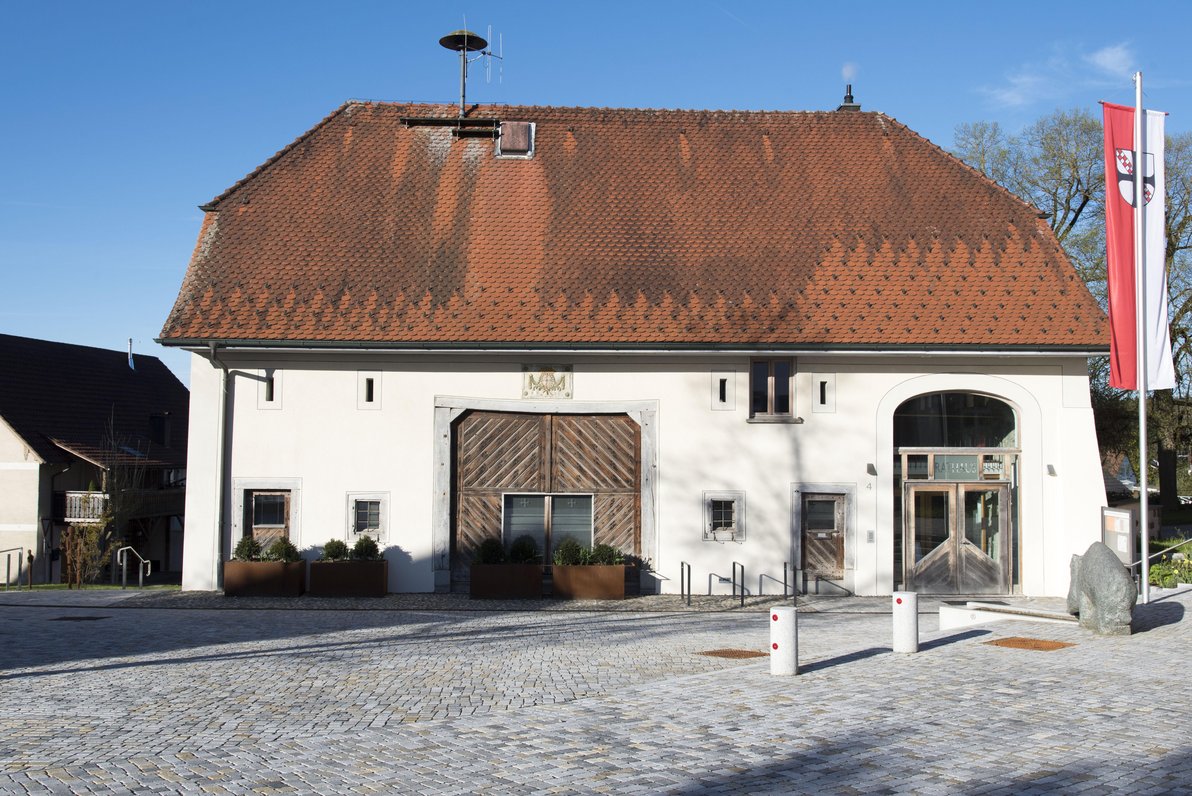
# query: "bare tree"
{"type": "Point", "coordinates": [1057, 165]}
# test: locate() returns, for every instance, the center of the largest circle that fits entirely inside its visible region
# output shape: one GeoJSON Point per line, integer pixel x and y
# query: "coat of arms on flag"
{"type": "Point", "coordinates": [1120, 238]}
{"type": "Point", "coordinates": [1124, 158]}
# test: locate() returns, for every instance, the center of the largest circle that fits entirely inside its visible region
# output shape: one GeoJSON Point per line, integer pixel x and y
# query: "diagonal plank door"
{"type": "Point", "coordinates": [502, 452]}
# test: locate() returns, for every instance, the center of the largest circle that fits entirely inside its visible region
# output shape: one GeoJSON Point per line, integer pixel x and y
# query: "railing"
{"type": "Point", "coordinates": [80, 506]}
{"type": "Point", "coordinates": [1138, 575]}
{"type": "Point", "coordinates": [8, 566]}
{"type": "Point", "coordinates": [88, 506]}
{"type": "Point", "coordinates": [741, 568]}
{"type": "Point", "coordinates": [142, 570]}
{"type": "Point", "coordinates": [1180, 543]}
{"type": "Point", "coordinates": [763, 577]}
{"type": "Point", "coordinates": [685, 590]}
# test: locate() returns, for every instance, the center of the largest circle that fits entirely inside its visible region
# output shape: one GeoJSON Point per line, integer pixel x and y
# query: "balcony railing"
{"type": "Point", "coordinates": [83, 507]}
{"type": "Point", "coordinates": [72, 507]}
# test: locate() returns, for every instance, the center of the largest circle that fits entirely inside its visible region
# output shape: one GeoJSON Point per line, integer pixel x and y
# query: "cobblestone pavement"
{"type": "Point", "coordinates": [104, 696]}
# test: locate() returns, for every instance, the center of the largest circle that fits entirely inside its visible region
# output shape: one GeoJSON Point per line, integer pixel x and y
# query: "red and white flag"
{"type": "Point", "coordinates": [1119, 244]}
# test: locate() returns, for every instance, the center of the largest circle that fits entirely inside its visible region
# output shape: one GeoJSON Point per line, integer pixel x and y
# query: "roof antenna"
{"type": "Point", "coordinates": [499, 55]}
{"type": "Point", "coordinates": [464, 42]}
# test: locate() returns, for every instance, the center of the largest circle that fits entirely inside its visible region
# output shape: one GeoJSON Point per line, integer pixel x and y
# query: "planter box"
{"type": "Point", "coordinates": [264, 578]}
{"type": "Point", "coordinates": [504, 581]}
{"type": "Point", "coordinates": [589, 582]}
{"type": "Point", "coordinates": [349, 578]}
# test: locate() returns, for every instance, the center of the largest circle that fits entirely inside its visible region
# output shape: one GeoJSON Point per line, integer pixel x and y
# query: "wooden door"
{"type": "Point", "coordinates": [501, 453]}
{"type": "Point", "coordinates": [823, 535]}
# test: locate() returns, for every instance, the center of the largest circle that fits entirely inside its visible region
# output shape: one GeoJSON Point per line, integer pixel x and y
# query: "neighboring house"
{"type": "Point", "coordinates": [76, 422]}
{"type": "Point", "coordinates": [802, 338]}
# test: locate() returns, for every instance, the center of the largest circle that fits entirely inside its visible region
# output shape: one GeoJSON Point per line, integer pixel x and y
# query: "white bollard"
{"type": "Point", "coordinates": [784, 640]}
{"type": "Point", "coordinates": [906, 621]}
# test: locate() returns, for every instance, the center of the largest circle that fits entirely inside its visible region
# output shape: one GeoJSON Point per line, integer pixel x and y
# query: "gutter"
{"type": "Point", "coordinates": [700, 349]}
{"type": "Point", "coordinates": [220, 464]}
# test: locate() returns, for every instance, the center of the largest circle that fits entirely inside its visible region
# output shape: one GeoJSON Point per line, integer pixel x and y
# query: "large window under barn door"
{"type": "Point", "coordinates": [548, 519]}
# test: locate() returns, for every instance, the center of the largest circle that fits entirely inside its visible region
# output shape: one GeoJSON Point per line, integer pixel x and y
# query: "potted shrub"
{"type": "Point", "coordinates": [277, 572]}
{"type": "Point", "coordinates": [582, 574]}
{"type": "Point", "coordinates": [359, 572]}
{"type": "Point", "coordinates": [497, 575]}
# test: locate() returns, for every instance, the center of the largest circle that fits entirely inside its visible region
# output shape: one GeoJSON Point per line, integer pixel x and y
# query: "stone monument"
{"type": "Point", "coordinates": [1102, 592]}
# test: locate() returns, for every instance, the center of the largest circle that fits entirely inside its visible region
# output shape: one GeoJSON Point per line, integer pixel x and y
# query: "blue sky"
{"type": "Point", "coordinates": [119, 118]}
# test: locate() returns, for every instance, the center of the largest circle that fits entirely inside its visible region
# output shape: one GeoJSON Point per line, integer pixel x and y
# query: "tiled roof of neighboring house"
{"type": "Point", "coordinates": [628, 228]}
{"type": "Point", "coordinates": [67, 399]}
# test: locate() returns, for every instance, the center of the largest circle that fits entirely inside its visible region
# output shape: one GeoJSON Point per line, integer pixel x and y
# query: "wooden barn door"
{"type": "Point", "coordinates": [502, 453]}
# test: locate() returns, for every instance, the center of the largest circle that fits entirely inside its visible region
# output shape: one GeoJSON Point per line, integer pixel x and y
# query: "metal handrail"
{"type": "Point", "coordinates": [685, 590]}
{"type": "Point", "coordinates": [142, 570]}
{"type": "Point", "coordinates": [742, 567]}
{"type": "Point", "coordinates": [20, 551]}
{"type": "Point", "coordinates": [1161, 552]}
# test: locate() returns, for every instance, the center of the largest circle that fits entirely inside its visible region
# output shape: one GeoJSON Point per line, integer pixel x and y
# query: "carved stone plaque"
{"type": "Point", "coordinates": [546, 381]}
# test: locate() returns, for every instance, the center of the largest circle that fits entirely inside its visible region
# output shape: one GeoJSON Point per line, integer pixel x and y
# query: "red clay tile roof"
{"type": "Point", "coordinates": [61, 399]}
{"type": "Point", "coordinates": [628, 228]}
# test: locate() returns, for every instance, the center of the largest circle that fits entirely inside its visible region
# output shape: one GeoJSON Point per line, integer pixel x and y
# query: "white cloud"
{"type": "Point", "coordinates": [1066, 73]}
{"type": "Point", "coordinates": [1116, 59]}
{"type": "Point", "coordinates": [1023, 88]}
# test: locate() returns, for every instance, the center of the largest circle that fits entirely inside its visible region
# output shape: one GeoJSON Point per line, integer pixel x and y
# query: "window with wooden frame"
{"type": "Point", "coordinates": [772, 389]}
{"type": "Point", "coordinates": [268, 515]}
{"type": "Point", "coordinates": [548, 520]}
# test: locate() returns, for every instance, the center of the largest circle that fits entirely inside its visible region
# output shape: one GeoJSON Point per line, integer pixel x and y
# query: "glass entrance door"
{"type": "Point", "coordinates": [956, 539]}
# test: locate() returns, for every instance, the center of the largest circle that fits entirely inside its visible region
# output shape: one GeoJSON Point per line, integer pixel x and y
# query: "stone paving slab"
{"type": "Point", "coordinates": [214, 600]}
{"type": "Point", "coordinates": [335, 701]}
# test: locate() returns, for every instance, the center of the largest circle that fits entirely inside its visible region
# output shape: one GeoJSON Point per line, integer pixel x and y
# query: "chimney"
{"type": "Point", "coordinates": [848, 104]}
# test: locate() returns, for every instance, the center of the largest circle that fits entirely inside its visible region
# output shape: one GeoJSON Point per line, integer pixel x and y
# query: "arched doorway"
{"type": "Point", "coordinates": [955, 473]}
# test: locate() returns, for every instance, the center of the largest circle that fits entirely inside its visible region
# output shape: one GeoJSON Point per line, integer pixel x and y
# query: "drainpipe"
{"type": "Point", "coordinates": [221, 458]}
{"type": "Point", "coordinates": [47, 534]}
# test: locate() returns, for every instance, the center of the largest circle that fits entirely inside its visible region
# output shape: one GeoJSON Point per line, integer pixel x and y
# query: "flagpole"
{"type": "Point", "coordinates": [1140, 330]}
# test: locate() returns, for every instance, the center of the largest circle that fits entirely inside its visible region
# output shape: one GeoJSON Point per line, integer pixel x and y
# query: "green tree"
{"type": "Point", "coordinates": [1056, 164]}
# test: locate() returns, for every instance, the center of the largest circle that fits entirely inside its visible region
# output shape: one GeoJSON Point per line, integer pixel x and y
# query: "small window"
{"type": "Point", "coordinates": [724, 517]}
{"type": "Point", "coordinates": [516, 140]}
{"type": "Point", "coordinates": [771, 389]}
{"type": "Point", "coordinates": [368, 389]}
{"type": "Point", "coordinates": [824, 387]}
{"type": "Point", "coordinates": [268, 516]}
{"type": "Point", "coordinates": [367, 514]}
{"type": "Point", "coordinates": [269, 389]}
{"type": "Point", "coordinates": [268, 510]}
{"type": "Point", "coordinates": [724, 396]}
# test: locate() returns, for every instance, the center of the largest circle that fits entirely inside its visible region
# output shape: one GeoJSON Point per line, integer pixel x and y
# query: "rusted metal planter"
{"type": "Point", "coordinates": [589, 581]}
{"type": "Point", "coordinates": [505, 581]}
{"type": "Point", "coordinates": [264, 578]}
{"type": "Point", "coordinates": [349, 578]}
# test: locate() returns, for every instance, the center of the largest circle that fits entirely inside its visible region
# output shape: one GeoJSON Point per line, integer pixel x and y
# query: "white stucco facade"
{"type": "Point", "coordinates": [20, 509]}
{"type": "Point", "coordinates": [317, 439]}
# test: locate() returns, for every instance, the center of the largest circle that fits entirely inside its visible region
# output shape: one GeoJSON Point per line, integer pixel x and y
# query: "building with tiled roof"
{"type": "Point", "coordinates": [641, 328]}
{"type": "Point", "coordinates": [71, 416]}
